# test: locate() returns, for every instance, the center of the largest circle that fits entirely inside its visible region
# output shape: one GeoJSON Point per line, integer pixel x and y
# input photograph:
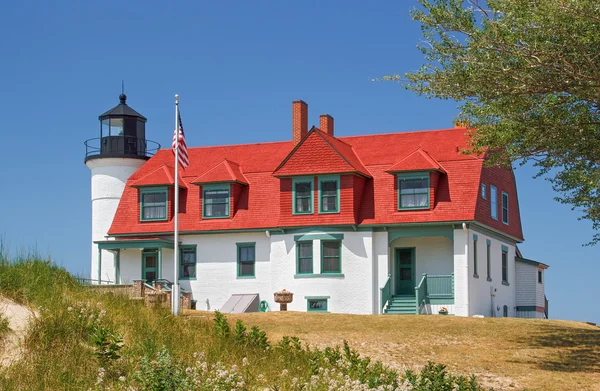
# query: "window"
{"type": "Point", "coordinates": [413, 192]}
{"type": "Point", "coordinates": [153, 204]}
{"type": "Point", "coordinates": [539, 276]}
{"type": "Point", "coordinates": [304, 254]}
{"type": "Point", "coordinates": [505, 311]}
{"type": "Point", "coordinates": [246, 259]}
{"type": "Point", "coordinates": [489, 260]}
{"type": "Point", "coordinates": [216, 202]}
{"type": "Point", "coordinates": [187, 262]}
{"type": "Point", "coordinates": [494, 202]}
{"type": "Point", "coordinates": [331, 261]}
{"type": "Point", "coordinates": [302, 195]}
{"type": "Point", "coordinates": [329, 194]}
{"type": "Point", "coordinates": [317, 304]}
{"type": "Point", "coordinates": [505, 208]}
{"type": "Point", "coordinates": [483, 191]}
{"type": "Point", "coordinates": [504, 265]}
{"type": "Point", "coordinates": [475, 256]}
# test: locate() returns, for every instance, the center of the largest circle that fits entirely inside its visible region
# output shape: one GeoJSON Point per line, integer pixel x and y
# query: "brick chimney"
{"type": "Point", "coordinates": [299, 120]}
{"type": "Point", "coordinates": [326, 124]}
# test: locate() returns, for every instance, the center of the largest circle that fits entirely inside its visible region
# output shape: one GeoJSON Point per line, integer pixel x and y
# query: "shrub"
{"type": "Point", "coordinates": [4, 325]}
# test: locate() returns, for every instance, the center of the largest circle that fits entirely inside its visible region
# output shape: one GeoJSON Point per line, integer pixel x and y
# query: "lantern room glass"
{"type": "Point", "coordinates": [111, 127]}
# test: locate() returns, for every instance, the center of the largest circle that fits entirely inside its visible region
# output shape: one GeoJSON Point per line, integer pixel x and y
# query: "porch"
{"type": "Point", "coordinates": [420, 272]}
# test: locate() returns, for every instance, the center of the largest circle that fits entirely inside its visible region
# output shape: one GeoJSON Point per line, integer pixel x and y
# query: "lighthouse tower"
{"type": "Point", "coordinates": [120, 151]}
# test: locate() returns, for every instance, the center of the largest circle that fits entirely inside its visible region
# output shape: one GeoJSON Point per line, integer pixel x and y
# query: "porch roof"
{"type": "Point", "coordinates": [532, 262]}
{"type": "Point", "coordinates": [135, 243]}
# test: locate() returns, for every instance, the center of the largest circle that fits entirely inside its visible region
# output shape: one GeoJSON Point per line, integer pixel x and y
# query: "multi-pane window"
{"type": "Point", "coordinates": [153, 204]}
{"type": "Point", "coordinates": [187, 262]}
{"type": "Point", "coordinates": [303, 196]}
{"type": "Point", "coordinates": [305, 257]}
{"type": "Point", "coordinates": [331, 261]}
{"type": "Point", "coordinates": [246, 259]}
{"type": "Point", "coordinates": [504, 208]}
{"type": "Point", "coordinates": [489, 260]}
{"type": "Point", "coordinates": [413, 192]}
{"type": "Point", "coordinates": [483, 191]}
{"type": "Point", "coordinates": [317, 305]}
{"type": "Point", "coordinates": [216, 202]}
{"type": "Point", "coordinates": [475, 256]}
{"type": "Point", "coordinates": [494, 201]}
{"type": "Point", "coordinates": [504, 265]}
{"type": "Point", "coordinates": [329, 195]}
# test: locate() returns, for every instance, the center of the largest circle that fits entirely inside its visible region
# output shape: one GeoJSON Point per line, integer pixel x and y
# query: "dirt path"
{"type": "Point", "coordinates": [11, 344]}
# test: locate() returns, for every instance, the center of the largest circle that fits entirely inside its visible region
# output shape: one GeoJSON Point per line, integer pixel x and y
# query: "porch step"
{"type": "Point", "coordinates": [402, 305]}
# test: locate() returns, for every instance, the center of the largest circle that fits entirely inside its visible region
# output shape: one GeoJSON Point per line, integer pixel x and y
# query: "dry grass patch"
{"type": "Point", "coordinates": [503, 353]}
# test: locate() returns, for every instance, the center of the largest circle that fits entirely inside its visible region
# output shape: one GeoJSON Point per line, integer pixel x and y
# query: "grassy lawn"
{"type": "Point", "coordinates": [503, 353]}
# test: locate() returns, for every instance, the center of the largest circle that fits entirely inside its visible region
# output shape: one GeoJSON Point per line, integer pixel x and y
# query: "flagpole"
{"type": "Point", "coordinates": [175, 292]}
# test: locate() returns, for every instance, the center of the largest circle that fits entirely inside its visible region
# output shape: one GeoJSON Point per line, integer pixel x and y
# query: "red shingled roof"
{"type": "Point", "coordinates": [418, 160]}
{"type": "Point", "coordinates": [226, 171]}
{"type": "Point", "coordinates": [161, 176]}
{"type": "Point", "coordinates": [369, 156]}
{"type": "Point", "coordinates": [335, 157]}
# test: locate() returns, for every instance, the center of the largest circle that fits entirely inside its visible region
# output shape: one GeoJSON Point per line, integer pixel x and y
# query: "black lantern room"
{"type": "Point", "coordinates": [122, 135]}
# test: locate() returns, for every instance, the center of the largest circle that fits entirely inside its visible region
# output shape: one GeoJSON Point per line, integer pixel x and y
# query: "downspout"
{"type": "Point", "coordinates": [99, 264]}
{"type": "Point", "coordinates": [466, 230]}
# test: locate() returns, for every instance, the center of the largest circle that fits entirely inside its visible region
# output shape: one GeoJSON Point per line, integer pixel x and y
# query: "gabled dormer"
{"type": "Point", "coordinates": [155, 194]}
{"type": "Point", "coordinates": [222, 190]}
{"type": "Point", "coordinates": [417, 177]}
{"type": "Point", "coordinates": [322, 178]}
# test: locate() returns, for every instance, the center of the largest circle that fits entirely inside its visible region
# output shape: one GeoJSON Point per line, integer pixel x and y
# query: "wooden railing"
{"type": "Point", "coordinates": [421, 293]}
{"type": "Point", "coordinates": [385, 293]}
{"type": "Point", "coordinates": [440, 286]}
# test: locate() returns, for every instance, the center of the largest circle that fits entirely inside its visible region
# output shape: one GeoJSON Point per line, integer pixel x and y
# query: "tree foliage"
{"type": "Point", "coordinates": [527, 76]}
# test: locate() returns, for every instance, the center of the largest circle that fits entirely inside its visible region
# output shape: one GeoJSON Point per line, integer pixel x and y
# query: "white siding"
{"type": "Point", "coordinates": [526, 284]}
{"type": "Point", "coordinates": [540, 290]}
{"type": "Point", "coordinates": [381, 268]}
{"type": "Point", "coordinates": [462, 272]}
{"type": "Point", "coordinates": [481, 289]}
{"type": "Point", "coordinates": [353, 293]}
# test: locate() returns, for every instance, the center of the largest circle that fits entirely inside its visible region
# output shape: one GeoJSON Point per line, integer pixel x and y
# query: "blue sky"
{"type": "Point", "coordinates": [237, 67]}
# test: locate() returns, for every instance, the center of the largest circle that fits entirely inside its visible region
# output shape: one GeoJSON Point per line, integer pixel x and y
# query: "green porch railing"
{"type": "Point", "coordinates": [385, 293]}
{"type": "Point", "coordinates": [421, 293]}
{"type": "Point", "coordinates": [440, 286]}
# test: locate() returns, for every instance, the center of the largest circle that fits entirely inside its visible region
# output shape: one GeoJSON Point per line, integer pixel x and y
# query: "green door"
{"type": "Point", "coordinates": [149, 266]}
{"type": "Point", "coordinates": [405, 271]}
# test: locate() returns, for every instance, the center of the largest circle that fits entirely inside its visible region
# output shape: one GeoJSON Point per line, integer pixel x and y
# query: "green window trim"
{"type": "Point", "coordinates": [504, 265]}
{"type": "Point", "coordinates": [324, 257]}
{"type": "Point", "coordinates": [475, 240]}
{"type": "Point", "coordinates": [311, 182]}
{"type": "Point", "coordinates": [505, 208]}
{"type": "Point", "coordinates": [317, 236]}
{"type": "Point", "coordinates": [300, 258]}
{"type": "Point", "coordinates": [317, 303]}
{"type": "Point", "coordinates": [324, 179]}
{"type": "Point", "coordinates": [241, 262]}
{"type": "Point", "coordinates": [494, 202]}
{"type": "Point", "coordinates": [214, 188]}
{"type": "Point", "coordinates": [165, 204]}
{"type": "Point", "coordinates": [326, 275]}
{"type": "Point", "coordinates": [489, 259]}
{"type": "Point", "coordinates": [411, 177]}
{"type": "Point", "coordinates": [185, 248]}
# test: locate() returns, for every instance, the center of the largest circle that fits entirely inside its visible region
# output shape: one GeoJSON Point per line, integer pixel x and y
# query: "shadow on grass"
{"type": "Point", "coordinates": [571, 349]}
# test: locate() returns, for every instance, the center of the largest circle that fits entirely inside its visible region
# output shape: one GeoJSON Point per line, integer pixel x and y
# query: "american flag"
{"type": "Point", "coordinates": [183, 157]}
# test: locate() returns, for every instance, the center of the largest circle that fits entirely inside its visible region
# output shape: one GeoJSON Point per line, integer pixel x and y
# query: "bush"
{"type": "Point", "coordinates": [4, 325]}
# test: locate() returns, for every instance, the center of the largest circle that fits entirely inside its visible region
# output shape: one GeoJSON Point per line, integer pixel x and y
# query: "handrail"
{"type": "Point", "coordinates": [120, 146]}
{"type": "Point", "coordinates": [386, 292]}
{"type": "Point", "coordinates": [421, 293]}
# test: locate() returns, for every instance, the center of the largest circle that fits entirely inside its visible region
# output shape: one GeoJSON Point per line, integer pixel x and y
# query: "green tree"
{"type": "Point", "coordinates": [527, 76]}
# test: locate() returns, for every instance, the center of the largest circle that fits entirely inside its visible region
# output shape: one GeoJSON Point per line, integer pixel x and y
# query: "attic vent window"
{"type": "Point", "coordinates": [413, 192]}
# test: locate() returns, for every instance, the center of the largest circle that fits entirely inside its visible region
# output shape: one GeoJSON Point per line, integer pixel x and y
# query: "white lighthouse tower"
{"type": "Point", "coordinates": [119, 152]}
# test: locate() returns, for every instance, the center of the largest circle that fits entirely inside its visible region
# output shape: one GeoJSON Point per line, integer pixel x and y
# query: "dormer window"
{"type": "Point", "coordinates": [303, 195]}
{"type": "Point", "coordinates": [153, 204]}
{"type": "Point", "coordinates": [329, 194]}
{"type": "Point", "coordinates": [215, 200]}
{"type": "Point", "coordinates": [413, 191]}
